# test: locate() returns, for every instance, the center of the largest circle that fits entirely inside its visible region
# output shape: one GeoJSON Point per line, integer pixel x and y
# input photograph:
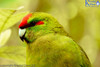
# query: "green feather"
{"type": "Point", "coordinates": [48, 45]}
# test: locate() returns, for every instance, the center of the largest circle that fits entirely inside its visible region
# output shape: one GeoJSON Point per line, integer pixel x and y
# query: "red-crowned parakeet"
{"type": "Point", "coordinates": [48, 45]}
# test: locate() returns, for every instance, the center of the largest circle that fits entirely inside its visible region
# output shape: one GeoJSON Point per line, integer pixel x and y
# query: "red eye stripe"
{"type": "Point", "coordinates": [40, 23]}
{"type": "Point", "coordinates": [24, 20]}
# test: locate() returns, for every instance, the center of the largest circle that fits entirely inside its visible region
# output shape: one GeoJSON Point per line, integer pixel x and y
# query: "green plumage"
{"type": "Point", "coordinates": [49, 45]}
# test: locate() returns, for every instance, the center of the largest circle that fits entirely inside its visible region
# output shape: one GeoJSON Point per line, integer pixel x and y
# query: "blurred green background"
{"type": "Point", "coordinates": [81, 23]}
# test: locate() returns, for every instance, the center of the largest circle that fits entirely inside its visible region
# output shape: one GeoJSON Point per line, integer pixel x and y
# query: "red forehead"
{"type": "Point", "coordinates": [24, 20]}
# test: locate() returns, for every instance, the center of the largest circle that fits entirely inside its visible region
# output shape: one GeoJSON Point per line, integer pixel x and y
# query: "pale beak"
{"type": "Point", "coordinates": [22, 33]}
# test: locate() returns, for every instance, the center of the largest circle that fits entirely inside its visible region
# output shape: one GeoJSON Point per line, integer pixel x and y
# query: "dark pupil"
{"type": "Point", "coordinates": [33, 23]}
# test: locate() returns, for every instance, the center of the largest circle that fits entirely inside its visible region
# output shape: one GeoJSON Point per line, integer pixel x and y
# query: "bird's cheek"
{"type": "Point", "coordinates": [29, 36]}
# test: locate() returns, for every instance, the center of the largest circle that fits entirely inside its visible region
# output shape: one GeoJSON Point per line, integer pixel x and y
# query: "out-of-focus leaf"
{"type": "Point", "coordinates": [46, 5]}
{"type": "Point", "coordinates": [4, 61]}
{"type": "Point", "coordinates": [9, 17]}
{"type": "Point", "coordinates": [95, 26]}
{"type": "Point", "coordinates": [15, 53]}
{"type": "Point", "coordinates": [90, 47]}
{"type": "Point", "coordinates": [4, 3]}
{"type": "Point", "coordinates": [76, 27]}
{"type": "Point", "coordinates": [14, 18]}
{"type": "Point", "coordinates": [72, 10]}
{"type": "Point", "coordinates": [4, 36]}
{"type": "Point", "coordinates": [33, 5]}
{"type": "Point", "coordinates": [9, 3]}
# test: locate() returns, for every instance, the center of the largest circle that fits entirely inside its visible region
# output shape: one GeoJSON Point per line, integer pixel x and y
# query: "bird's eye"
{"type": "Point", "coordinates": [34, 23]}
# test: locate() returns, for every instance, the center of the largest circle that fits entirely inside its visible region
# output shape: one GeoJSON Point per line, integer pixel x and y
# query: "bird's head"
{"type": "Point", "coordinates": [35, 25]}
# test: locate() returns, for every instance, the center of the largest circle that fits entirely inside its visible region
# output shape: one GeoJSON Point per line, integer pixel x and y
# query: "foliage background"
{"type": "Point", "coordinates": [82, 24]}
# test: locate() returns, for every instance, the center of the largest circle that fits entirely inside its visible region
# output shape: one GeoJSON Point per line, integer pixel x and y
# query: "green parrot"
{"type": "Point", "coordinates": [48, 44]}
